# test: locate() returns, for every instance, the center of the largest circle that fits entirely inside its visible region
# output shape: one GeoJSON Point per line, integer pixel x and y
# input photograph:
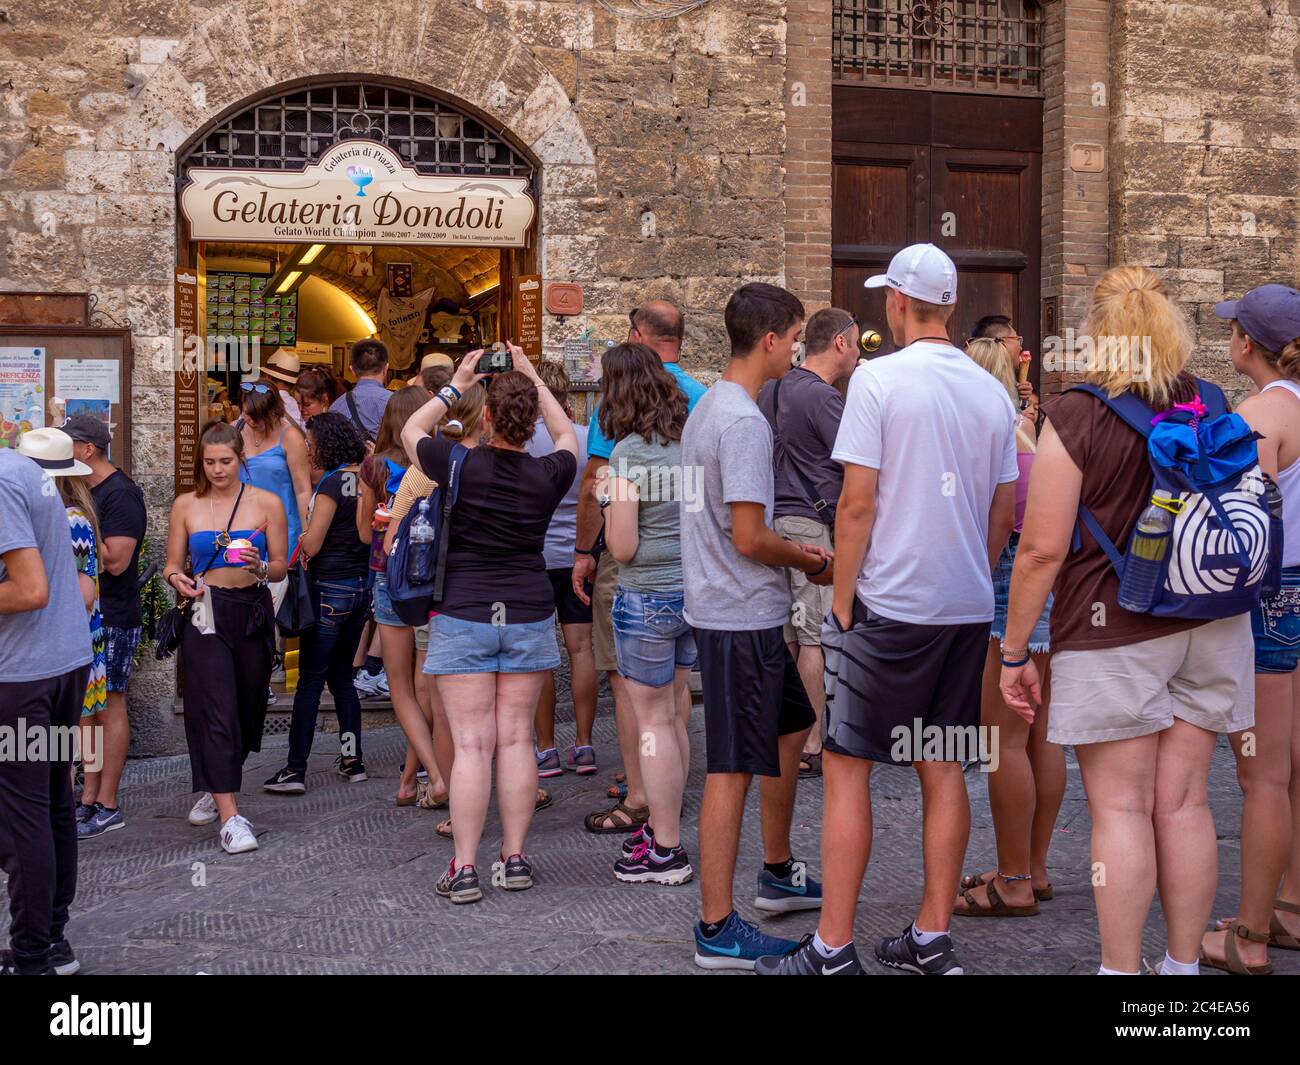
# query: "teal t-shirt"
{"type": "Point", "coordinates": [599, 447]}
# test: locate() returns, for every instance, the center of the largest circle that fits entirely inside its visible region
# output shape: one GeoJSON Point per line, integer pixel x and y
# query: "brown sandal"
{"type": "Point", "coordinates": [1232, 962]}
{"type": "Point", "coordinates": [1278, 936]}
{"type": "Point", "coordinates": [635, 818]}
{"type": "Point", "coordinates": [1043, 894]}
{"type": "Point", "coordinates": [426, 798]}
{"type": "Point", "coordinates": [996, 906]}
{"type": "Point", "coordinates": [444, 829]}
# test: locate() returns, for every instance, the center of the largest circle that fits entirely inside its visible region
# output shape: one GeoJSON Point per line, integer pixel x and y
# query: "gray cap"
{"type": "Point", "coordinates": [1269, 314]}
{"type": "Point", "coordinates": [88, 429]}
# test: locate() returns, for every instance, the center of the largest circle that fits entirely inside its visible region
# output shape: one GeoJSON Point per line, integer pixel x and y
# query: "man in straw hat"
{"type": "Point", "coordinates": [45, 656]}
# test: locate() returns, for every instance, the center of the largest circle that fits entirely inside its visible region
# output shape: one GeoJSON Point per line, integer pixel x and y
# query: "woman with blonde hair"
{"type": "Point", "coordinates": [1027, 782]}
{"type": "Point", "coordinates": [1265, 346]}
{"type": "Point", "coordinates": [1140, 697]}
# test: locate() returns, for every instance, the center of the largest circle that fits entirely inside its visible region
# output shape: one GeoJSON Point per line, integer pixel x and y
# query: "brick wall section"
{"type": "Point", "coordinates": [808, 151]}
{"type": "Point", "coordinates": [1076, 216]}
{"type": "Point", "coordinates": [1206, 179]}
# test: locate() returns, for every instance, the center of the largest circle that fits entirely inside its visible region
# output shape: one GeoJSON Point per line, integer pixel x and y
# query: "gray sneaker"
{"type": "Point", "coordinates": [808, 961]}
{"type": "Point", "coordinates": [459, 885]}
{"type": "Point", "coordinates": [548, 763]}
{"type": "Point", "coordinates": [582, 760]}
{"type": "Point", "coordinates": [513, 873]}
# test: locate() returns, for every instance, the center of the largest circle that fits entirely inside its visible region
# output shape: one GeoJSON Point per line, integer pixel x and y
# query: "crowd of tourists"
{"type": "Point", "coordinates": [903, 560]}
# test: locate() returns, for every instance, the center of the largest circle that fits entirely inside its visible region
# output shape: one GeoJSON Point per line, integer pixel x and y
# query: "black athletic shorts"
{"type": "Point", "coordinates": [889, 682]}
{"type": "Point", "coordinates": [571, 609]}
{"type": "Point", "coordinates": [753, 695]}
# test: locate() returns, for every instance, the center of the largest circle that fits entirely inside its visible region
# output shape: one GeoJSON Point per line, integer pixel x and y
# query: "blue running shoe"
{"type": "Point", "coordinates": [738, 945]}
{"type": "Point", "coordinates": [100, 821]}
{"type": "Point", "coordinates": [798, 891]}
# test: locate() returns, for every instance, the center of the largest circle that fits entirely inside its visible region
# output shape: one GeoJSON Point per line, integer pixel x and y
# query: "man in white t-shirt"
{"type": "Point", "coordinates": [928, 446]}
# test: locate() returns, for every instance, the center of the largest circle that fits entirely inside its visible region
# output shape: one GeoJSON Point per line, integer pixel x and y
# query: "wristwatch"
{"type": "Point", "coordinates": [604, 500]}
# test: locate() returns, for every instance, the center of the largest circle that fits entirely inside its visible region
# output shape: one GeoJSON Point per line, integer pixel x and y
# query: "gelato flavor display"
{"type": "Point", "coordinates": [239, 306]}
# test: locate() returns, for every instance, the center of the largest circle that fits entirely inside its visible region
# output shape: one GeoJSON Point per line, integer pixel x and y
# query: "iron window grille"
{"type": "Point", "coordinates": [991, 46]}
{"type": "Point", "coordinates": [292, 130]}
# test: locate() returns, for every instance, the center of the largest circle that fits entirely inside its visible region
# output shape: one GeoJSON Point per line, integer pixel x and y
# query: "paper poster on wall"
{"type": "Point", "coordinates": [87, 379]}
{"type": "Point", "coordinates": [22, 392]}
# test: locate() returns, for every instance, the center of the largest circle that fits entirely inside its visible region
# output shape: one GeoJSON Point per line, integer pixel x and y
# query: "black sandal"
{"type": "Point", "coordinates": [813, 763]}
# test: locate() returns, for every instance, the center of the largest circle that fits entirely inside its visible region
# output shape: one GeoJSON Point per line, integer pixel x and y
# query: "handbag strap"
{"type": "Point", "coordinates": [216, 547]}
{"type": "Point", "coordinates": [356, 417]}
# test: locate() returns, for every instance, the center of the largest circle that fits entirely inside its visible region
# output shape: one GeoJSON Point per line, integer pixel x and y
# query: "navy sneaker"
{"type": "Point", "coordinates": [798, 891]}
{"type": "Point", "coordinates": [350, 769]}
{"type": "Point", "coordinates": [738, 945]}
{"type": "Point", "coordinates": [582, 760]}
{"type": "Point", "coordinates": [514, 873]}
{"type": "Point", "coordinates": [934, 959]}
{"type": "Point", "coordinates": [100, 821]}
{"type": "Point", "coordinates": [646, 865]}
{"type": "Point", "coordinates": [83, 811]}
{"type": "Point", "coordinates": [9, 967]}
{"type": "Point", "coordinates": [548, 763]}
{"type": "Point", "coordinates": [459, 885]}
{"type": "Point", "coordinates": [808, 961]}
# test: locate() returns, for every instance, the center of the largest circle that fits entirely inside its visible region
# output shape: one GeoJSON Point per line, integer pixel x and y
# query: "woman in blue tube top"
{"type": "Point", "coordinates": [225, 541]}
{"type": "Point", "coordinates": [275, 452]}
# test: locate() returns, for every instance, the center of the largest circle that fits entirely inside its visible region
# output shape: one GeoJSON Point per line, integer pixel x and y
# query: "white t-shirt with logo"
{"type": "Point", "coordinates": [941, 432]}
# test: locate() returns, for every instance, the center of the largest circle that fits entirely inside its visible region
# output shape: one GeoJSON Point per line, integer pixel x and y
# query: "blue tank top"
{"type": "Point", "coordinates": [270, 471]}
{"type": "Point", "coordinates": [203, 543]}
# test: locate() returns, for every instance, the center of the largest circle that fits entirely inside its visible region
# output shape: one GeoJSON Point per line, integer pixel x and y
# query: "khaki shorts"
{"type": "Point", "coordinates": [811, 602]}
{"type": "Point", "coordinates": [602, 613]}
{"type": "Point", "coordinates": [1204, 676]}
{"type": "Point", "coordinates": [422, 637]}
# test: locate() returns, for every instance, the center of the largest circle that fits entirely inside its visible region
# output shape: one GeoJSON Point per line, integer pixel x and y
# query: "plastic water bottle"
{"type": "Point", "coordinates": [1272, 582]}
{"type": "Point", "coordinates": [1144, 567]}
{"type": "Point", "coordinates": [421, 529]}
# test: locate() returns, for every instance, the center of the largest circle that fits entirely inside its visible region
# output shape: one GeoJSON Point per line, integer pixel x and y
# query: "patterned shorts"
{"type": "Point", "coordinates": [121, 645]}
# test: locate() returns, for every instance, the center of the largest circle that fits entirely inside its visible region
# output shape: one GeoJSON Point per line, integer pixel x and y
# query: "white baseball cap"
{"type": "Point", "coordinates": [922, 271]}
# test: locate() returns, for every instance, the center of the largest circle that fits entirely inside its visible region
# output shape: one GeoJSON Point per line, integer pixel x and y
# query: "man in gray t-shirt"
{"type": "Point", "coordinates": [44, 662]}
{"type": "Point", "coordinates": [756, 711]}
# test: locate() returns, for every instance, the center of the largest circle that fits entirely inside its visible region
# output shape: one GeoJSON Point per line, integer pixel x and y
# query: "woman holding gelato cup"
{"type": "Point", "coordinates": [226, 540]}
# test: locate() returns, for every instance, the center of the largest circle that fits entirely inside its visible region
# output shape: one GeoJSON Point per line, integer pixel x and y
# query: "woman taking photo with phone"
{"type": "Point", "coordinates": [225, 541]}
{"type": "Point", "coordinates": [339, 562]}
{"type": "Point", "coordinates": [494, 629]}
{"type": "Point", "coordinates": [644, 410]}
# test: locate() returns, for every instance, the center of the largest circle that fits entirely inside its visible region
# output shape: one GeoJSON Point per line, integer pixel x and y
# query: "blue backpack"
{"type": "Point", "coordinates": [415, 571]}
{"type": "Point", "coordinates": [1205, 457]}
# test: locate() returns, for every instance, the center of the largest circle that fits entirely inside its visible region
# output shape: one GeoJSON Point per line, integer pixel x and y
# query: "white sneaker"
{"type": "Point", "coordinates": [367, 686]}
{"type": "Point", "coordinates": [237, 835]}
{"type": "Point", "coordinates": [381, 682]}
{"type": "Point", "coordinates": [204, 811]}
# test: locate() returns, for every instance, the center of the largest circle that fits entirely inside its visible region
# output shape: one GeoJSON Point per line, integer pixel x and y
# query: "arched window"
{"type": "Point", "coordinates": [286, 131]}
{"type": "Point", "coordinates": [963, 45]}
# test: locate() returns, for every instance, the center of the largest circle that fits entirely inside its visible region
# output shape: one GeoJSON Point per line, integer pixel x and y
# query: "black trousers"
{"type": "Point", "coordinates": [38, 830]}
{"type": "Point", "coordinates": [226, 677]}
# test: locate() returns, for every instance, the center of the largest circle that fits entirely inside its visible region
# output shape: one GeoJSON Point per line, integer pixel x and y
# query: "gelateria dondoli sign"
{"type": "Point", "coordinates": [358, 191]}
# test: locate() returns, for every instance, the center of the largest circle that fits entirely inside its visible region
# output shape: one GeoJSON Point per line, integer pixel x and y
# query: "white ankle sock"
{"type": "Point", "coordinates": [825, 951]}
{"type": "Point", "coordinates": [1103, 971]}
{"type": "Point", "coordinates": [1169, 967]}
{"type": "Point", "coordinates": [924, 939]}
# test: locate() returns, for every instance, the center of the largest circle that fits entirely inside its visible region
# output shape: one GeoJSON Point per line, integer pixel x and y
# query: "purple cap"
{"type": "Point", "coordinates": [1269, 314]}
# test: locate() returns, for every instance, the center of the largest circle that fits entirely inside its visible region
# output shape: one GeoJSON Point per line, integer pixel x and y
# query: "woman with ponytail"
{"type": "Point", "coordinates": [1140, 697]}
{"type": "Point", "coordinates": [1265, 346]}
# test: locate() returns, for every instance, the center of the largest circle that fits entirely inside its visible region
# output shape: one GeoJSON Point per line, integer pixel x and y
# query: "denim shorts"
{"type": "Point", "coordinates": [457, 646]}
{"type": "Point", "coordinates": [1275, 625]}
{"type": "Point", "coordinates": [1038, 639]}
{"type": "Point", "coordinates": [120, 645]}
{"type": "Point", "coordinates": [383, 606]}
{"type": "Point", "coordinates": [652, 638]}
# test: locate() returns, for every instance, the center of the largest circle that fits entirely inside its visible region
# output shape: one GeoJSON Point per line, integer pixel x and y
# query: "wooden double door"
{"type": "Point", "coordinates": [957, 170]}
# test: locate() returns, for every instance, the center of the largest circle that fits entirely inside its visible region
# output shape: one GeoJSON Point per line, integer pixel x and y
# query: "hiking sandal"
{"type": "Point", "coordinates": [1232, 962]}
{"type": "Point", "coordinates": [621, 818]}
{"type": "Point", "coordinates": [1278, 936]}
{"type": "Point", "coordinates": [996, 907]}
{"type": "Point", "coordinates": [814, 764]}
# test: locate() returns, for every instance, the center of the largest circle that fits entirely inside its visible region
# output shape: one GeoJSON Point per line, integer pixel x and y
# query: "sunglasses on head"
{"type": "Point", "coordinates": [249, 386]}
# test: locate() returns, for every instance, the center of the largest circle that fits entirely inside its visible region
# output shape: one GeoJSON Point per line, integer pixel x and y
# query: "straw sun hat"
{"type": "Point", "coordinates": [51, 450]}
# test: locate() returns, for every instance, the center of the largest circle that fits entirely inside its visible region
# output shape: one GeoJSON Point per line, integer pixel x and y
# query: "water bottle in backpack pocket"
{"type": "Point", "coordinates": [1201, 549]}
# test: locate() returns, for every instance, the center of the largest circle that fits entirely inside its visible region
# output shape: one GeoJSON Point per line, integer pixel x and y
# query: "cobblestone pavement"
{"type": "Point", "coordinates": [343, 881]}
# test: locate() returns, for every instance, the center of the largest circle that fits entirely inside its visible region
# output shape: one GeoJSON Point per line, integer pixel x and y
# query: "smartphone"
{"type": "Point", "coordinates": [496, 361]}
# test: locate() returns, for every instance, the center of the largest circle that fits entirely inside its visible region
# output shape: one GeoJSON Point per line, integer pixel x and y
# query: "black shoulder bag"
{"type": "Point", "coordinates": [356, 418]}
{"type": "Point", "coordinates": [825, 511]}
{"type": "Point", "coordinates": [169, 625]}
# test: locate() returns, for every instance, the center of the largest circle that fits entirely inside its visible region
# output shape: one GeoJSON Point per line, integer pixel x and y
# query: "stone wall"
{"type": "Point", "coordinates": [1205, 153]}
{"type": "Point", "coordinates": [661, 146]}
